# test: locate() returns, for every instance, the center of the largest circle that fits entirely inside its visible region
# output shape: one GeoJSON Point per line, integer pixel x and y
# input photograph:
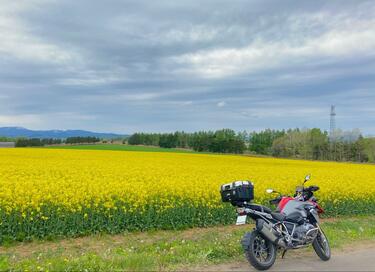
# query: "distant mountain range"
{"type": "Point", "coordinates": [57, 134]}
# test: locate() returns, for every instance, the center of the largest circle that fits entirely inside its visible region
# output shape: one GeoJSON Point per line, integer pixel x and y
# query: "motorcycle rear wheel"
{"type": "Point", "coordinates": [321, 246]}
{"type": "Point", "coordinates": [261, 252]}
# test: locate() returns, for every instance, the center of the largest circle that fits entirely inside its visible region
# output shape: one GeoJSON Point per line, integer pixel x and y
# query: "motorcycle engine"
{"type": "Point", "coordinates": [305, 233]}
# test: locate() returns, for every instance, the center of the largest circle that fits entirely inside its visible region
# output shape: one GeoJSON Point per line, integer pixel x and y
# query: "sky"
{"type": "Point", "coordinates": [160, 66]}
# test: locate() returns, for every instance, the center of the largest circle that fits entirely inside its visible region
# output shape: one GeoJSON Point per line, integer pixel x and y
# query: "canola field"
{"type": "Point", "coordinates": [49, 192]}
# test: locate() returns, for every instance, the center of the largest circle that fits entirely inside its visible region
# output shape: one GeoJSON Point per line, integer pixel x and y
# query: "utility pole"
{"type": "Point", "coordinates": [332, 124]}
{"type": "Point", "coordinates": [332, 133]}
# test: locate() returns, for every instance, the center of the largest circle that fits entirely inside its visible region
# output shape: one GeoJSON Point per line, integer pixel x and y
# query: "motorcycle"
{"type": "Point", "coordinates": [293, 225]}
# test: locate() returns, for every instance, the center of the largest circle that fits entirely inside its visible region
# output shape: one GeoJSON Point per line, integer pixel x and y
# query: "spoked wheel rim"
{"type": "Point", "coordinates": [262, 250]}
{"type": "Point", "coordinates": [323, 243]}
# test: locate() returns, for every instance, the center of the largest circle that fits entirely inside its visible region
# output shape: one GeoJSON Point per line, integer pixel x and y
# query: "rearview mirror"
{"type": "Point", "coordinates": [307, 178]}
{"type": "Point", "coordinates": [269, 191]}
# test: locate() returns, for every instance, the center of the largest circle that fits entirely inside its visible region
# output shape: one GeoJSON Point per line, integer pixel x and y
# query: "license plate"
{"type": "Point", "coordinates": [241, 220]}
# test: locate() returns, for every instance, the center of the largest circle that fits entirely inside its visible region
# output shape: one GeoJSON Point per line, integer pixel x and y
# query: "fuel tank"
{"type": "Point", "coordinates": [294, 210]}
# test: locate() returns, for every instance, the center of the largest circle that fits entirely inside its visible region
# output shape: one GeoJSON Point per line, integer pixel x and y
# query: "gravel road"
{"type": "Point", "coordinates": [351, 259]}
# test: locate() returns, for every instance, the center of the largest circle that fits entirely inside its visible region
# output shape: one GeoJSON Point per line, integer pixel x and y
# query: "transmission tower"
{"type": "Point", "coordinates": [332, 123]}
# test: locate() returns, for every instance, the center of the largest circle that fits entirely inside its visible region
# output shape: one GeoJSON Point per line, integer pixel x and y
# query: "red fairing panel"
{"type": "Point", "coordinates": [285, 199]}
{"type": "Point", "coordinates": [320, 209]}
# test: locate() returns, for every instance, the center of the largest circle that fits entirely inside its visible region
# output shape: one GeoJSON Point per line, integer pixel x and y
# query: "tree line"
{"type": "Point", "coordinates": [81, 140]}
{"type": "Point", "coordinates": [314, 144]}
{"type": "Point", "coordinates": [6, 139]}
{"type": "Point", "coordinates": [25, 142]}
{"type": "Point", "coordinates": [310, 144]}
{"type": "Point", "coordinates": [220, 141]}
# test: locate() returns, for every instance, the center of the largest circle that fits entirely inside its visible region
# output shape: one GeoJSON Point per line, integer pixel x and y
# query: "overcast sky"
{"type": "Point", "coordinates": [126, 66]}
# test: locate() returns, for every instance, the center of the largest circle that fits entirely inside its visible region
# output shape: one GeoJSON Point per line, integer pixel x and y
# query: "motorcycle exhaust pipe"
{"type": "Point", "coordinates": [266, 229]}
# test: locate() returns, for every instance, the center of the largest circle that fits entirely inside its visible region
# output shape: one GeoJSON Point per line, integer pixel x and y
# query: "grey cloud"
{"type": "Point", "coordinates": [125, 66]}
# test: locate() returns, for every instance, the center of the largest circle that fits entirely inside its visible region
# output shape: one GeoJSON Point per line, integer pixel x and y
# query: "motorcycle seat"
{"type": "Point", "coordinates": [278, 216]}
{"type": "Point", "coordinates": [259, 208]}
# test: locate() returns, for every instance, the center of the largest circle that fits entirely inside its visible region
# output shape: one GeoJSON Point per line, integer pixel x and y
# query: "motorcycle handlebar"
{"type": "Point", "coordinates": [312, 188]}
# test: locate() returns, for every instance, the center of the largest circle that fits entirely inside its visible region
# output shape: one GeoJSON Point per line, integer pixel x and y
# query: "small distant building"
{"type": "Point", "coordinates": [7, 144]}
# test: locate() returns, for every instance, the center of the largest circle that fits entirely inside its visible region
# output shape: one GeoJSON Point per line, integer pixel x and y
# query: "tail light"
{"type": "Point", "coordinates": [241, 211]}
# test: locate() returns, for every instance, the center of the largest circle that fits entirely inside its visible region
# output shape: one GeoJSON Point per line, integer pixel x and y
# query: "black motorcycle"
{"type": "Point", "coordinates": [294, 224]}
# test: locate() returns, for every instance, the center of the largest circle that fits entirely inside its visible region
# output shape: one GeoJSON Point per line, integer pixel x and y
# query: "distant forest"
{"type": "Point", "coordinates": [24, 142]}
{"type": "Point", "coordinates": [311, 144]}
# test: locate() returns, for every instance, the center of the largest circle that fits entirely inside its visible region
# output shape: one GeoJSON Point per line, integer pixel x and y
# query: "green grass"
{"type": "Point", "coordinates": [160, 250]}
{"type": "Point", "coordinates": [121, 147]}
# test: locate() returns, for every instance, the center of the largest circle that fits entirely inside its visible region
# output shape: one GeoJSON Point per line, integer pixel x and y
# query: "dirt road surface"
{"type": "Point", "coordinates": [351, 259]}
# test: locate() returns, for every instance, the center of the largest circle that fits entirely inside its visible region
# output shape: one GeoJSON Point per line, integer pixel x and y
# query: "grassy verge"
{"type": "Point", "coordinates": [122, 147]}
{"type": "Point", "coordinates": [159, 250]}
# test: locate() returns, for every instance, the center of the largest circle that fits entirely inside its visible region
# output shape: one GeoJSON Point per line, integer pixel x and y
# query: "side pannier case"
{"type": "Point", "coordinates": [237, 192]}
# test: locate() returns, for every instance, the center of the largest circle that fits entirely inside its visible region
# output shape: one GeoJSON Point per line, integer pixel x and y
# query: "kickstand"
{"type": "Point", "coordinates": [283, 254]}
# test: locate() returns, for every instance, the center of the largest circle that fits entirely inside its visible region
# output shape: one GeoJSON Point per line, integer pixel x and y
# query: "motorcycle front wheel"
{"type": "Point", "coordinates": [321, 246]}
{"type": "Point", "coordinates": [261, 252]}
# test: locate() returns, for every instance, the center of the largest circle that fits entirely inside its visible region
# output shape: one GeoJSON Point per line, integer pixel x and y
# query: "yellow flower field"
{"type": "Point", "coordinates": [70, 192]}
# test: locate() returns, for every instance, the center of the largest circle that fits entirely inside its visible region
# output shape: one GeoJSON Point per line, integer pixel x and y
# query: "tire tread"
{"type": "Point", "coordinates": [251, 258]}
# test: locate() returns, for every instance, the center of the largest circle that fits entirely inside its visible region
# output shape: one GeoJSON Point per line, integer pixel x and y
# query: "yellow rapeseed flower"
{"type": "Point", "coordinates": [33, 179]}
